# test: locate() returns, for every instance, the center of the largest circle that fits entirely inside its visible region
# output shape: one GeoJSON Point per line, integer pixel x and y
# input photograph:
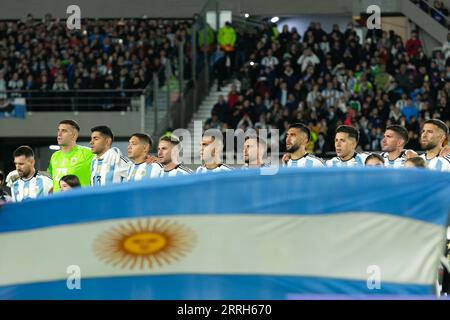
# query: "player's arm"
{"type": "Point", "coordinates": [48, 186]}
{"type": "Point", "coordinates": [123, 167]}
{"type": "Point", "coordinates": [151, 159]}
{"type": "Point", "coordinates": [286, 158]}
{"type": "Point", "coordinates": [410, 154]}
{"type": "Point", "coordinates": [445, 151]}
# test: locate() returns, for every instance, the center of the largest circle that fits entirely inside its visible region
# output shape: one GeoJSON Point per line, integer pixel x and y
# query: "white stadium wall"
{"type": "Point", "coordinates": [43, 124]}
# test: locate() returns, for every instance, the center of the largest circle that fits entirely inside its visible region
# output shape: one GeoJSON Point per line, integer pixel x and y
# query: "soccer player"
{"type": "Point", "coordinates": [297, 138]}
{"type": "Point", "coordinates": [433, 135]}
{"type": "Point", "coordinates": [109, 166]}
{"type": "Point", "coordinates": [374, 160]}
{"type": "Point", "coordinates": [255, 150]}
{"type": "Point", "coordinates": [139, 147]}
{"type": "Point", "coordinates": [169, 148]}
{"type": "Point", "coordinates": [71, 159]}
{"type": "Point", "coordinates": [345, 142]}
{"type": "Point", "coordinates": [393, 146]}
{"type": "Point", "coordinates": [211, 148]}
{"type": "Point", "coordinates": [31, 184]}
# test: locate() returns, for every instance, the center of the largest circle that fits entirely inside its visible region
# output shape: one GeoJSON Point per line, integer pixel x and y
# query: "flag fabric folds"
{"type": "Point", "coordinates": [233, 235]}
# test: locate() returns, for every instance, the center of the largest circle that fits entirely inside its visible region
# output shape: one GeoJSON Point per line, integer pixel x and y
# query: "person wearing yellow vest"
{"type": "Point", "coordinates": [226, 38]}
{"type": "Point", "coordinates": [209, 38]}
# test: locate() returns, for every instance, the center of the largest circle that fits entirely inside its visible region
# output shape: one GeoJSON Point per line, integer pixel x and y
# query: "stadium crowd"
{"type": "Point", "coordinates": [115, 54]}
{"type": "Point", "coordinates": [325, 79]}
{"type": "Point", "coordinates": [436, 9]}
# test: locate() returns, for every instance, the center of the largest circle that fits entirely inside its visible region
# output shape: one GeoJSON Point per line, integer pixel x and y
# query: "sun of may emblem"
{"type": "Point", "coordinates": [144, 244]}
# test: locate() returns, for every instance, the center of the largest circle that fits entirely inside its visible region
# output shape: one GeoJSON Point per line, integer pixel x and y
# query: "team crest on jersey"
{"type": "Point", "coordinates": [73, 161]}
{"type": "Point", "coordinates": [144, 244]}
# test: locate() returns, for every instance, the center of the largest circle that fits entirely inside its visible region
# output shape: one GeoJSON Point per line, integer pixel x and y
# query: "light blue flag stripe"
{"type": "Point", "coordinates": [416, 194]}
{"type": "Point", "coordinates": [234, 287]}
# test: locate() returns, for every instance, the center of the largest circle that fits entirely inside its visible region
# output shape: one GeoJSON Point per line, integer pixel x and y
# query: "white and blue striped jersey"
{"type": "Point", "coordinates": [263, 166]}
{"type": "Point", "coordinates": [399, 162]}
{"type": "Point", "coordinates": [112, 167]}
{"type": "Point", "coordinates": [437, 163]}
{"type": "Point", "coordinates": [357, 160]}
{"type": "Point", "coordinates": [144, 171]}
{"type": "Point", "coordinates": [307, 161]}
{"type": "Point", "coordinates": [220, 168]}
{"type": "Point", "coordinates": [35, 187]}
{"type": "Point", "coordinates": [179, 170]}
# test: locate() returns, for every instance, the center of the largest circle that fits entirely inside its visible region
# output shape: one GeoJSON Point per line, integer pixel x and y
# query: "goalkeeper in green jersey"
{"type": "Point", "coordinates": [71, 158]}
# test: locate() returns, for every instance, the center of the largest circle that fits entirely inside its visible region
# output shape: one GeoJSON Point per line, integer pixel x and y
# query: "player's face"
{"type": "Point", "coordinates": [250, 151]}
{"type": "Point", "coordinates": [165, 152]}
{"type": "Point", "coordinates": [345, 146]}
{"type": "Point", "coordinates": [431, 137]}
{"type": "Point", "coordinates": [136, 149]}
{"type": "Point", "coordinates": [64, 186]}
{"type": "Point", "coordinates": [374, 162]}
{"type": "Point", "coordinates": [66, 135]}
{"type": "Point", "coordinates": [390, 141]}
{"type": "Point", "coordinates": [207, 149]}
{"type": "Point", "coordinates": [294, 140]}
{"type": "Point", "coordinates": [24, 166]}
{"type": "Point", "coordinates": [99, 143]}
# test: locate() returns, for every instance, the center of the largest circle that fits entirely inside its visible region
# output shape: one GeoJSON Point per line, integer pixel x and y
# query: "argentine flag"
{"type": "Point", "coordinates": [233, 235]}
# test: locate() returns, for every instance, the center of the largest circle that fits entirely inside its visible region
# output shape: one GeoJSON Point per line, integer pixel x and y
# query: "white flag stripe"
{"type": "Point", "coordinates": [336, 246]}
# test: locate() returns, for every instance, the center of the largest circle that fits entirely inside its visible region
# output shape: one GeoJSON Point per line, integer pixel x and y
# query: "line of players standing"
{"type": "Point", "coordinates": [103, 164]}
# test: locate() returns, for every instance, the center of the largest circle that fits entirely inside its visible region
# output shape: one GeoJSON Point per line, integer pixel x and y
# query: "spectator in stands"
{"type": "Point", "coordinates": [307, 58]}
{"type": "Point", "coordinates": [446, 47]}
{"type": "Point", "coordinates": [440, 11]}
{"type": "Point", "coordinates": [410, 110]}
{"type": "Point", "coordinates": [413, 45]}
{"type": "Point", "coordinates": [226, 38]}
{"type": "Point", "coordinates": [44, 56]}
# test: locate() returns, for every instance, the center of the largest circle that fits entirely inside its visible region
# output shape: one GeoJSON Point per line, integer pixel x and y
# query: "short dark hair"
{"type": "Point", "coordinates": [23, 151]}
{"type": "Point", "coordinates": [258, 139]}
{"type": "Point", "coordinates": [144, 138]}
{"type": "Point", "coordinates": [104, 130]}
{"type": "Point", "coordinates": [418, 162]}
{"type": "Point", "coordinates": [438, 123]}
{"type": "Point", "coordinates": [401, 131]}
{"type": "Point", "coordinates": [351, 131]}
{"type": "Point", "coordinates": [71, 180]}
{"type": "Point", "coordinates": [374, 156]}
{"type": "Point", "coordinates": [210, 133]}
{"type": "Point", "coordinates": [72, 123]}
{"type": "Point", "coordinates": [174, 140]}
{"type": "Point", "coordinates": [302, 128]}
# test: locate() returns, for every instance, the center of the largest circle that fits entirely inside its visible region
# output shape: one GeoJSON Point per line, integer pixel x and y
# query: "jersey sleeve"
{"type": "Point", "coordinates": [122, 165]}
{"type": "Point", "coordinates": [14, 188]}
{"type": "Point", "coordinates": [154, 170]}
{"type": "Point", "coordinates": [50, 167]}
{"type": "Point", "coordinates": [48, 185]}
